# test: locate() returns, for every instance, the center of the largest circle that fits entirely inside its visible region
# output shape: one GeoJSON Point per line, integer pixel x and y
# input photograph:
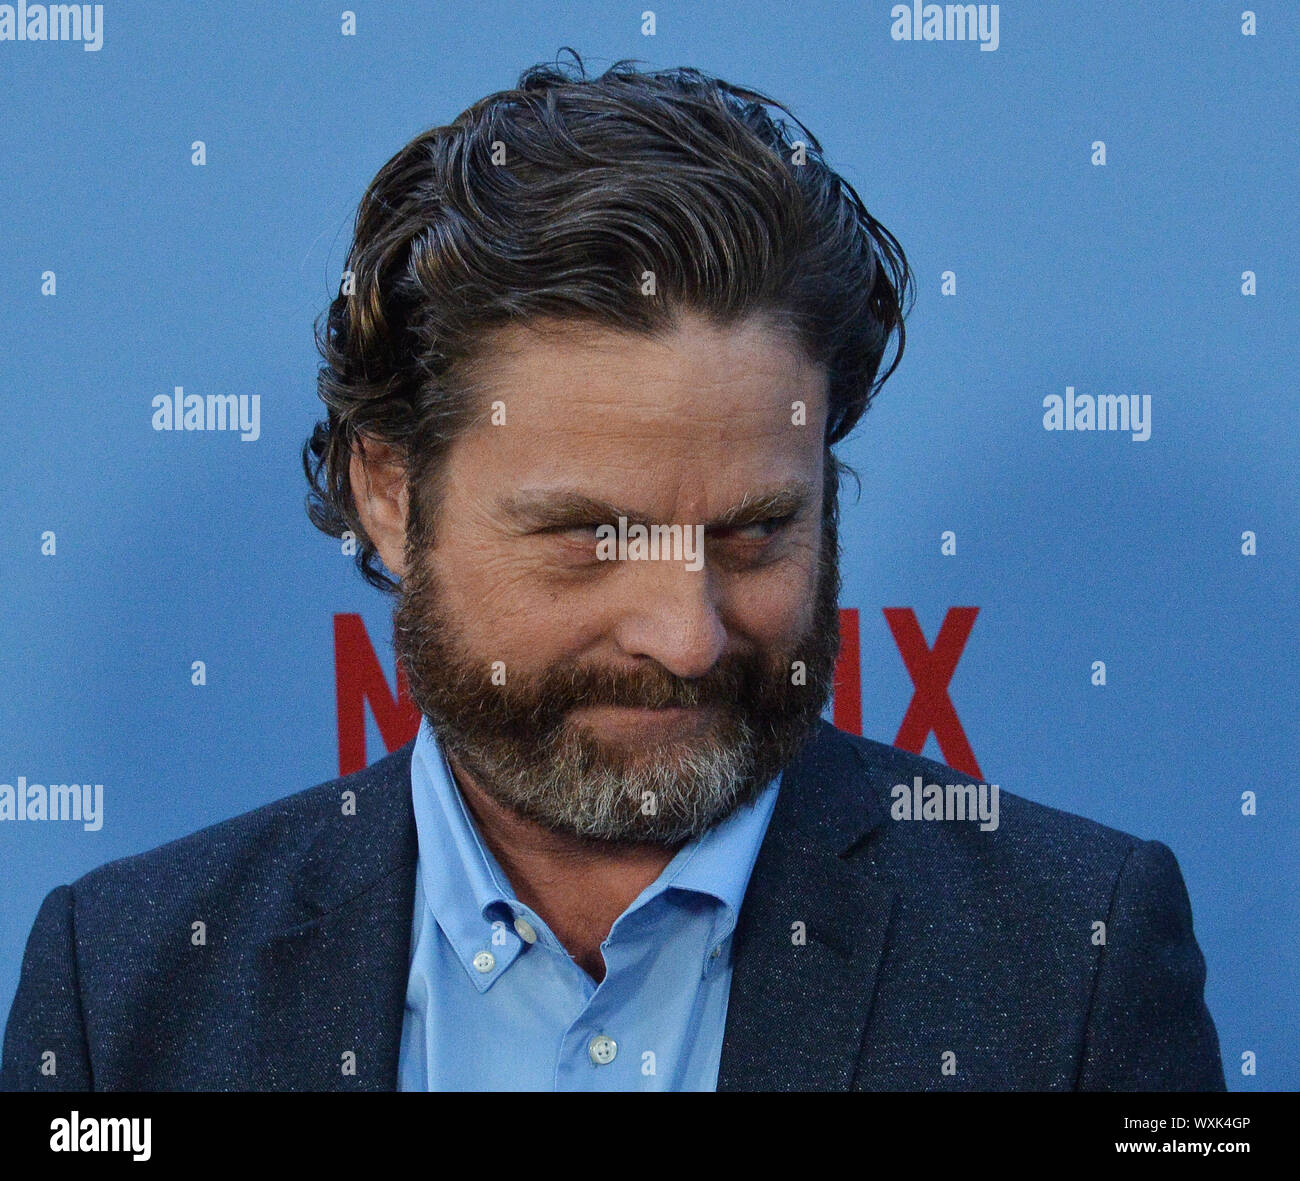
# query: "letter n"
{"type": "Point", "coordinates": [358, 680]}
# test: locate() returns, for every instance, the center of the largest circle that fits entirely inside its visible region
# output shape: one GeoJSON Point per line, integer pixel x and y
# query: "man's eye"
{"type": "Point", "coordinates": [574, 536]}
{"type": "Point", "coordinates": [760, 530]}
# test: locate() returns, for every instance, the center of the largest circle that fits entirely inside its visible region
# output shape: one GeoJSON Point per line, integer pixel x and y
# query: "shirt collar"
{"type": "Point", "coordinates": [463, 885]}
{"type": "Point", "coordinates": [720, 860]}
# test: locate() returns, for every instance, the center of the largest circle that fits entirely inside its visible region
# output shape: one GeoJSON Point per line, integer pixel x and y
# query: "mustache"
{"type": "Point", "coordinates": [732, 679]}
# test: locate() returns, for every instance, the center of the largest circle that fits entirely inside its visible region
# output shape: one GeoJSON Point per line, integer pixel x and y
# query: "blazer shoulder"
{"type": "Point", "coordinates": [252, 858]}
{"type": "Point", "coordinates": [143, 965]}
{"type": "Point", "coordinates": [1081, 932]}
{"type": "Point", "coordinates": [1037, 838]}
{"type": "Point", "coordinates": [1046, 870]}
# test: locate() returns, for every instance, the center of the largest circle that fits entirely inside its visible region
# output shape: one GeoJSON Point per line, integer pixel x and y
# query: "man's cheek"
{"type": "Point", "coordinates": [776, 612]}
{"type": "Point", "coordinates": [505, 603]}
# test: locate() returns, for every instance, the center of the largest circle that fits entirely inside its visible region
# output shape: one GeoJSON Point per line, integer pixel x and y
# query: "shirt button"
{"type": "Point", "coordinates": [602, 1049]}
{"type": "Point", "coordinates": [485, 961]}
{"type": "Point", "coordinates": [525, 930]}
{"type": "Point", "coordinates": [717, 951]}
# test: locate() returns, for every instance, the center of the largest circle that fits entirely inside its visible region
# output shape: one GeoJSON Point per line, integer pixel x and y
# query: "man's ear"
{"type": "Point", "coordinates": [379, 491]}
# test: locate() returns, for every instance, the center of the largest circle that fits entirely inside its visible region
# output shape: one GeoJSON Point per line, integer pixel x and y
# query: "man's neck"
{"type": "Point", "coordinates": [578, 887]}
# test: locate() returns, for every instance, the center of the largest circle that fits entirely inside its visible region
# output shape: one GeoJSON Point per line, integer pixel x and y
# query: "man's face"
{"type": "Point", "coordinates": [627, 700]}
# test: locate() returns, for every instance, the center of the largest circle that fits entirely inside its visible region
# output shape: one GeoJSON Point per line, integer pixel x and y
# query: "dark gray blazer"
{"type": "Point", "coordinates": [922, 938]}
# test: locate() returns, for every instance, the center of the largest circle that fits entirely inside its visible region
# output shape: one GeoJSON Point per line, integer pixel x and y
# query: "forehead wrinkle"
{"type": "Point", "coordinates": [656, 390]}
{"type": "Point", "coordinates": [635, 417]}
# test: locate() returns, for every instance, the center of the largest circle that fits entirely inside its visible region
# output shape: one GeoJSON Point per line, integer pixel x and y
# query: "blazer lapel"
{"type": "Point", "coordinates": [331, 984]}
{"type": "Point", "coordinates": [331, 980]}
{"type": "Point", "coordinates": [811, 932]}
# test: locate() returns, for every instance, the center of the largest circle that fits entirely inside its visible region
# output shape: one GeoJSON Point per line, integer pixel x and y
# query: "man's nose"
{"type": "Point", "coordinates": [671, 614]}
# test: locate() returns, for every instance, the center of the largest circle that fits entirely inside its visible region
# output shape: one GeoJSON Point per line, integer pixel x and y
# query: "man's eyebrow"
{"type": "Point", "coordinates": [787, 500]}
{"type": "Point", "coordinates": [562, 510]}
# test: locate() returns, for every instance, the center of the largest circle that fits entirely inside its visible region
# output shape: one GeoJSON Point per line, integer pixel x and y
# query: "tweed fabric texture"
{"type": "Point", "coordinates": [871, 953]}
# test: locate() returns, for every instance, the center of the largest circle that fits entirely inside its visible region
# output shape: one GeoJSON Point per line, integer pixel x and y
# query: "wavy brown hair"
{"type": "Point", "coordinates": [551, 200]}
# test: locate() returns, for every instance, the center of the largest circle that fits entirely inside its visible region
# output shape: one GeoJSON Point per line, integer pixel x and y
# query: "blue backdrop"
{"type": "Point", "coordinates": [1126, 277]}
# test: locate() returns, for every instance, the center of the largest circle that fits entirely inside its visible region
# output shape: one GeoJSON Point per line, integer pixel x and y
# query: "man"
{"type": "Point", "coordinates": [595, 343]}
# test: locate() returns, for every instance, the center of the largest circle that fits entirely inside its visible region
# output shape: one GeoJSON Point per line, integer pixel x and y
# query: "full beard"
{"type": "Point", "coordinates": [518, 742]}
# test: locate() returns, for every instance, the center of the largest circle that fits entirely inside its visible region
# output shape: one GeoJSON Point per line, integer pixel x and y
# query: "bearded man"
{"type": "Point", "coordinates": [624, 851]}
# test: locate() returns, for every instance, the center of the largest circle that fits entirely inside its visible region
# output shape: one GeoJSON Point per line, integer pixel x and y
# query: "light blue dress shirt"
{"type": "Point", "coordinates": [493, 1000]}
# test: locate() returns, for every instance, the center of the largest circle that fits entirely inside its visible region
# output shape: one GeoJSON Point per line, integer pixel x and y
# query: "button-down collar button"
{"type": "Point", "coordinates": [525, 930]}
{"type": "Point", "coordinates": [485, 961]}
{"type": "Point", "coordinates": [602, 1049]}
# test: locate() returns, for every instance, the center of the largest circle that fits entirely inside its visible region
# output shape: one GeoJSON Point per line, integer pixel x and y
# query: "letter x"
{"type": "Point", "coordinates": [931, 670]}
